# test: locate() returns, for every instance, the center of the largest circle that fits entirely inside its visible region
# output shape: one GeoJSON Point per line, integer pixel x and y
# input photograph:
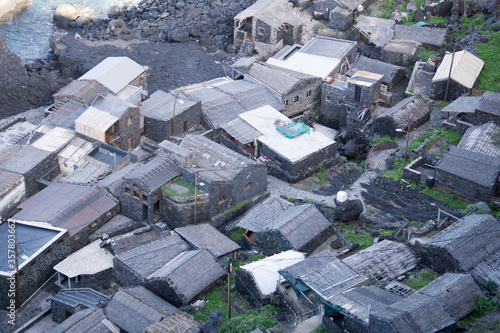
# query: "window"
{"type": "Point", "coordinates": [286, 27]}
{"type": "Point", "coordinates": [328, 98]}
{"type": "Point", "coordinates": [185, 126]}
{"type": "Point", "coordinates": [261, 31]}
{"type": "Point", "coordinates": [129, 121]}
{"type": "Point", "coordinates": [144, 198]}
{"type": "Point", "coordinates": [126, 190]}
{"type": "Point", "coordinates": [286, 102]}
{"type": "Point", "coordinates": [136, 195]}
{"type": "Point", "coordinates": [222, 199]}
{"type": "Point", "coordinates": [249, 19]}
{"type": "Point", "coordinates": [308, 93]}
{"type": "Point", "coordinates": [296, 99]}
{"type": "Point", "coordinates": [248, 185]}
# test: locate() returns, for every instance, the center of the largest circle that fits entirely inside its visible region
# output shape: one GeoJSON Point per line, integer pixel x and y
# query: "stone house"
{"type": "Point", "coordinates": [317, 279]}
{"type": "Point", "coordinates": [204, 236]}
{"type": "Point", "coordinates": [468, 245]}
{"type": "Point", "coordinates": [406, 115]}
{"type": "Point", "coordinates": [223, 99]}
{"type": "Point", "coordinates": [300, 228]}
{"type": "Point", "coordinates": [338, 14]}
{"type": "Point", "coordinates": [141, 191]}
{"type": "Point", "coordinates": [429, 37]}
{"type": "Point", "coordinates": [228, 178]}
{"type": "Point", "coordinates": [383, 262]}
{"type": "Point", "coordinates": [257, 281]}
{"type": "Point", "coordinates": [67, 302]}
{"type": "Point", "coordinates": [30, 162]}
{"type": "Point", "coordinates": [340, 97]}
{"type": "Point", "coordinates": [400, 52]}
{"type": "Point", "coordinates": [44, 246]}
{"type": "Point", "coordinates": [79, 209]}
{"type": "Point", "coordinates": [165, 266]}
{"type": "Point", "coordinates": [134, 309]}
{"type": "Point", "coordinates": [392, 74]}
{"type": "Point", "coordinates": [292, 150]}
{"type": "Point", "coordinates": [465, 70]}
{"type": "Point", "coordinates": [472, 174]}
{"type": "Point", "coordinates": [110, 120]}
{"type": "Point", "coordinates": [299, 92]}
{"type": "Point", "coordinates": [163, 119]}
{"type": "Point", "coordinates": [268, 24]}
{"type": "Point", "coordinates": [90, 320]}
{"type": "Point", "coordinates": [89, 267]}
{"type": "Point", "coordinates": [124, 77]}
{"type": "Point", "coordinates": [488, 109]}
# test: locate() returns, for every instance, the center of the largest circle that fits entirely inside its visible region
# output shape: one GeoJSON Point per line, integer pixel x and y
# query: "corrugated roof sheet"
{"type": "Point", "coordinates": [134, 309]}
{"type": "Point", "coordinates": [469, 240]}
{"type": "Point", "coordinates": [154, 174]}
{"type": "Point", "coordinates": [67, 206]}
{"type": "Point", "coordinates": [376, 66]}
{"type": "Point", "coordinates": [466, 68]}
{"type": "Point", "coordinates": [475, 167]}
{"type": "Point", "coordinates": [88, 321]}
{"type": "Point", "coordinates": [241, 131]}
{"type": "Point", "coordinates": [115, 73]}
{"type": "Point", "coordinates": [160, 105]}
{"type": "Point", "coordinates": [490, 103]}
{"type": "Point", "coordinates": [65, 115]}
{"type": "Point", "coordinates": [204, 236]}
{"type": "Point", "coordinates": [463, 104]}
{"type": "Point", "coordinates": [379, 31]}
{"type": "Point", "coordinates": [329, 47]}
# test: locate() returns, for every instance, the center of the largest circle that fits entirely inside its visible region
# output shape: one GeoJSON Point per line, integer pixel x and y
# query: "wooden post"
{"type": "Point", "coordinates": [407, 141]}
{"type": "Point", "coordinates": [449, 74]}
{"type": "Point", "coordinates": [18, 283]}
{"type": "Point", "coordinates": [173, 117]}
{"type": "Point", "coordinates": [195, 194]}
{"type": "Point", "coordinates": [229, 288]}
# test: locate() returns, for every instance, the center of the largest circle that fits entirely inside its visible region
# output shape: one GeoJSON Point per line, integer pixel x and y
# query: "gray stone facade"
{"type": "Point", "coordinates": [464, 186]}
{"type": "Point", "coordinates": [455, 90]}
{"type": "Point", "coordinates": [127, 130]}
{"type": "Point", "coordinates": [36, 272]}
{"type": "Point", "coordinates": [305, 96]}
{"type": "Point", "coordinates": [179, 212]}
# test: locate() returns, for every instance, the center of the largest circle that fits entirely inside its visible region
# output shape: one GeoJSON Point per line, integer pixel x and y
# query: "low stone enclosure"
{"type": "Point", "coordinates": [418, 173]}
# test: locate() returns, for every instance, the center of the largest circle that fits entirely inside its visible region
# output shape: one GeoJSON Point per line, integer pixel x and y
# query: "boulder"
{"type": "Point", "coordinates": [116, 23]}
{"type": "Point", "coordinates": [178, 36]}
{"type": "Point", "coordinates": [214, 321]}
{"type": "Point", "coordinates": [481, 207]}
{"type": "Point", "coordinates": [65, 14]}
{"type": "Point", "coordinates": [349, 209]}
{"type": "Point", "coordinates": [351, 149]}
{"type": "Point", "coordinates": [114, 12]}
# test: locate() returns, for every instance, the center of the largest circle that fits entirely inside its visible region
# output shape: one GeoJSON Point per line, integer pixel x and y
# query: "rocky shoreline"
{"type": "Point", "coordinates": [208, 22]}
{"type": "Point", "coordinates": [8, 8]}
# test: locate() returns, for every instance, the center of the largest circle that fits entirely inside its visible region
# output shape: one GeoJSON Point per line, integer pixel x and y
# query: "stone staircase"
{"type": "Point", "coordinates": [246, 49]}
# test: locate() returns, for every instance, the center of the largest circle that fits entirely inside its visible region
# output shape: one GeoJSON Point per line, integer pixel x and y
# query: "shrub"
{"type": "Point", "coordinates": [237, 235]}
{"type": "Point", "coordinates": [489, 79]}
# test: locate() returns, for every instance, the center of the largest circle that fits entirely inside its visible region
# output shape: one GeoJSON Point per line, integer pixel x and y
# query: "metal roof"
{"type": "Point", "coordinates": [82, 90]}
{"type": "Point", "coordinates": [329, 47]}
{"type": "Point", "coordinates": [204, 236]}
{"type": "Point", "coordinates": [85, 296]}
{"type": "Point", "coordinates": [306, 63]}
{"type": "Point", "coordinates": [241, 131]}
{"type": "Point", "coordinates": [115, 73]}
{"type": "Point", "coordinates": [466, 68]}
{"type": "Point", "coordinates": [278, 79]}
{"type": "Point", "coordinates": [67, 206]}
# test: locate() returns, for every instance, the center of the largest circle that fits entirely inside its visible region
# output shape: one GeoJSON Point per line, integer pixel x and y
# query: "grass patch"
{"type": "Point", "coordinates": [419, 283]}
{"type": "Point", "coordinates": [235, 208]}
{"type": "Point", "coordinates": [482, 307]}
{"type": "Point", "coordinates": [448, 198]}
{"type": "Point", "coordinates": [383, 139]}
{"type": "Point", "coordinates": [438, 20]}
{"type": "Point", "coordinates": [489, 79]}
{"type": "Point", "coordinates": [292, 200]}
{"type": "Point", "coordinates": [256, 257]}
{"type": "Point", "coordinates": [308, 189]}
{"type": "Point", "coordinates": [364, 240]}
{"type": "Point", "coordinates": [370, 210]}
{"type": "Point", "coordinates": [442, 104]}
{"type": "Point", "coordinates": [237, 235]}
{"type": "Point", "coordinates": [322, 175]}
{"type": "Point", "coordinates": [424, 54]}
{"type": "Point", "coordinates": [451, 136]}
{"type": "Point", "coordinates": [386, 232]}
{"type": "Point", "coordinates": [181, 182]}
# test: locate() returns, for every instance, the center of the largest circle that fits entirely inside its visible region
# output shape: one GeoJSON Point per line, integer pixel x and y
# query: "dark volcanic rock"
{"type": "Point", "coordinates": [170, 65]}
{"type": "Point", "coordinates": [349, 209]}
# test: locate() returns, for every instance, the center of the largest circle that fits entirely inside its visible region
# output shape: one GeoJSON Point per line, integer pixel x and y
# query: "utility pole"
{"type": "Point", "coordinates": [449, 74]}
{"type": "Point", "coordinates": [17, 275]}
{"type": "Point", "coordinates": [229, 288]}
{"type": "Point", "coordinates": [407, 141]}
{"type": "Point", "coordinates": [173, 117]}
{"type": "Point", "coordinates": [195, 195]}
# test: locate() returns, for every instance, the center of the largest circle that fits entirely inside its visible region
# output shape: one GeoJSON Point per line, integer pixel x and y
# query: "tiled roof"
{"type": "Point", "coordinates": [204, 236]}
{"type": "Point", "coordinates": [22, 159]}
{"type": "Point", "coordinates": [278, 79]}
{"type": "Point", "coordinates": [155, 173]}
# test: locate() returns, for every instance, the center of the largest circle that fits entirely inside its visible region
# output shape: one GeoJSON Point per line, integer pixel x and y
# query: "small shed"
{"type": "Point", "coordinates": [392, 74]}
{"type": "Point", "coordinates": [399, 52]}
{"type": "Point", "coordinates": [408, 114]}
{"type": "Point", "coordinates": [301, 228]}
{"type": "Point", "coordinates": [456, 291]}
{"type": "Point", "coordinates": [383, 261]}
{"type": "Point", "coordinates": [469, 173]}
{"type": "Point", "coordinates": [204, 236]}
{"type": "Point", "coordinates": [463, 245]}
{"type": "Point", "coordinates": [463, 109]}
{"type": "Point", "coordinates": [320, 277]}
{"type": "Point", "coordinates": [134, 309]}
{"type": "Point", "coordinates": [465, 70]}
{"type": "Point", "coordinates": [257, 280]}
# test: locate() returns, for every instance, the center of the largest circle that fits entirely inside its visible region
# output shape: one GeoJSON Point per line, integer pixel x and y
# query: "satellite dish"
{"type": "Point", "coordinates": [360, 8]}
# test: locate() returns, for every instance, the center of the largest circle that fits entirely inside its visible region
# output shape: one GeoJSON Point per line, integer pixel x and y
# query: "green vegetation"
{"type": "Point", "coordinates": [318, 26]}
{"type": "Point", "coordinates": [370, 210]}
{"type": "Point", "coordinates": [364, 240]}
{"type": "Point", "coordinates": [438, 20]}
{"type": "Point", "coordinates": [322, 175]}
{"type": "Point", "coordinates": [409, 19]}
{"type": "Point", "coordinates": [292, 200]}
{"type": "Point", "coordinates": [424, 54]}
{"type": "Point", "coordinates": [181, 182]}
{"type": "Point", "coordinates": [386, 232]}
{"type": "Point", "coordinates": [256, 257]}
{"type": "Point", "coordinates": [482, 307]}
{"type": "Point", "coordinates": [442, 104]}
{"type": "Point", "coordinates": [319, 329]}
{"type": "Point", "coordinates": [398, 166]}
{"type": "Point", "coordinates": [383, 139]}
{"type": "Point", "coordinates": [237, 235]}
{"type": "Point", "coordinates": [402, 8]}
{"type": "Point", "coordinates": [308, 189]}
{"type": "Point", "coordinates": [419, 283]}
{"type": "Point", "coordinates": [236, 207]}
{"type": "Point", "coordinates": [489, 79]}
{"type": "Point", "coordinates": [448, 198]}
